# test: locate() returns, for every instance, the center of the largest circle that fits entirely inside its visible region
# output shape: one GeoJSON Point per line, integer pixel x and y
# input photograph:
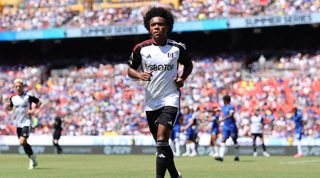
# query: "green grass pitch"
{"type": "Point", "coordinates": [143, 166]}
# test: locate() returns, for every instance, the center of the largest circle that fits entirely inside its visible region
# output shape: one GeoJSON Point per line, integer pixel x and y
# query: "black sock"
{"type": "Point", "coordinates": [165, 160]}
{"type": "Point", "coordinates": [263, 147]}
{"type": "Point", "coordinates": [170, 162]}
{"type": "Point", "coordinates": [57, 147]}
{"type": "Point", "coordinates": [161, 159]}
{"type": "Point", "coordinates": [254, 147]}
{"type": "Point", "coordinates": [254, 144]}
{"type": "Point", "coordinates": [27, 149]}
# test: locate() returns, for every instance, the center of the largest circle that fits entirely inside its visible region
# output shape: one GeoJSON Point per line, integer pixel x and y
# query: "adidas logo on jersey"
{"type": "Point", "coordinates": [170, 122]}
{"type": "Point", "coordinates": [161, 156]}
{"type": "Point", "coordinates": [149, 56]}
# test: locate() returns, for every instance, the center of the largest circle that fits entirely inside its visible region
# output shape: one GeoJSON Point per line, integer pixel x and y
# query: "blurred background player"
{"type": "Point", "coordinates": [257, 125]}
{"type": "Point", "coordinates": [190, 128]}
{"type": "Point", "coordinates": [215, 131]}
{"type": "Point", "coordinates": [21, 104]}
{"type": "Point", "coordinates": [297, 117]}
{"type": "Point", "coordinates": [229, 128]}
{"type": "Point", "coordinates": [175, 136]}
{"type": "Point", "coordinates": [57, 133]}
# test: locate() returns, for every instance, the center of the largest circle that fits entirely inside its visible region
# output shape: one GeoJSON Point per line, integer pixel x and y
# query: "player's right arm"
{"type": "Point", "coordinates": [9, 106]}
{"type": "Point", "coordinates": [133, 73]}
{"type": "Point", "coordinates": [135, 63]}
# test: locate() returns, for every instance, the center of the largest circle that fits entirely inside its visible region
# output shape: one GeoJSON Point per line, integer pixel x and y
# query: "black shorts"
{"type": "Point", "coordinates": [255, 135]}
{"type": "Point", "coordinates": [166, 116]}
{"type": "Point", "coordinates": [57, 134]}
{"type": "Point", "coordinates": [23, 132]}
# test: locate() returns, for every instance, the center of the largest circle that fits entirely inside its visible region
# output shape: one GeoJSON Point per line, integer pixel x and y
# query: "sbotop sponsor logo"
{"type": "Point", "coordinates": [160, 67]}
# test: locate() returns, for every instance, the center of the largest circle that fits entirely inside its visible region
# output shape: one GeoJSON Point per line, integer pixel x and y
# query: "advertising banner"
{"type": "Point", "coordinates": [265, 21]}
{"type": "Point", "coordinates": [151, 150]}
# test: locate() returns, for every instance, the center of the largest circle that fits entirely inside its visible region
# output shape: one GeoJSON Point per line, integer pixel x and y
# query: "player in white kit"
{"type": "Point", "coordinates": [257, 124]}
{"type": "Point", "coordinates": [156, 62]}
{"type": "Point", "coordinates": [21, 104]}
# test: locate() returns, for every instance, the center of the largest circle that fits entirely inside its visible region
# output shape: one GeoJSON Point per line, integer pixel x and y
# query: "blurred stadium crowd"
{"type": "Point", "coordinates": [45, 14]}
{"type": "Point", "coordinates": [100, 99]}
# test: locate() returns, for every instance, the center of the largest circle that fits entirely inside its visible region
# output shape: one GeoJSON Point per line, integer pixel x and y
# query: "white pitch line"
{"type": "Point", "coordinates": [300, 162]}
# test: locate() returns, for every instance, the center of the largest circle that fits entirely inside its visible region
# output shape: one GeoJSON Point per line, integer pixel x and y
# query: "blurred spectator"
{"type": "Point", "coordinates": [43, 14]}
{"type": "Point", "coordinates": [102, 100]}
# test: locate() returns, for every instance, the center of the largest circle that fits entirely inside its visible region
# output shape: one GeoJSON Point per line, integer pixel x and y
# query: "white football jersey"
{"type": "Point", "coordinates": [21, 104]}
{"type": "Point", "coordinates": [163, 62]}
{"type": "Point", "coordinates": [256, 124]}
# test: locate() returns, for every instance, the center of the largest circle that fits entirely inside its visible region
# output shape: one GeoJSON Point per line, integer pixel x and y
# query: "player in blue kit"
{"type": "Point", "coordinates": [297, 117]}
{"type": "Point", "coordinates": [191, 129]}
{"type": "Point", "coordinates": [215, 131]}
{"type": "Point", "coordinates": [175, 136]}
{"type": "Point", "coordinates": [229, 128]}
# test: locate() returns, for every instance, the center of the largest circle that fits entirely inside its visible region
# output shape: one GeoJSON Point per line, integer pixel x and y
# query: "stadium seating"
{"type": "Point", "coordinates": [44, 14]}
{"type": "Point", "coordinates": [99, 99]}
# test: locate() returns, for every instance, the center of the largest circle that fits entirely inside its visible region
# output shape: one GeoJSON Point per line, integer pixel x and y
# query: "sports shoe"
{"type": "Point", "coordinates": [32, 162]}
{"type": "Point", "coordinates": [298, 155]}
{"type": "Point", "coordinates": [59, 151]}
{"type": "Point", "coordinates": [236, 158]}
{"type": "Point", "coordinates": [215, 155]}
{"type": "Point", "coordinates": [179, 175]}
{"type": "Point", "coordinates": [186, 154]}
{"type": "Point", "coordinates": [266, 154]}
{"type": "Point", "coordinates": [255, 154]}
{"type": "Point", "coordinates": [219, 158]}
{"type": "Point", "coordinates": [193, 154]}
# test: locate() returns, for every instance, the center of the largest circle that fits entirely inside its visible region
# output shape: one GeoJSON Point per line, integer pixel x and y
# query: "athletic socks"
{"type": "Point", "coordinates": [59, 149]}
{"type": "Point", "coordinates": [177, 147]}
{"type": "Point", "coordinates": [193, 149]}
{"type": "Point", "coordinates": [222, 150]}
{"type": "Point", "coordinates": [264, 147]}
{"type": "Point", "coordinates": [236, 150]}
{"type": "Point", "coordinates": [255, 146]}
{"type": "Point", "coordinates": [187, 153]}
{"type": "Point", "coordinates": [165, 160]}
{"type": "Point", "coordinates": [299, 147]}
{"type": "Point", "coordinates": [27, 149]}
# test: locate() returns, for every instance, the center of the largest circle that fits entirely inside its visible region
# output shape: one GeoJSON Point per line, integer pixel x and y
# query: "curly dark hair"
{"type": "Point", "coordinates": [227, 98]}
{"type": "Point", "coordinates": [159, 12]}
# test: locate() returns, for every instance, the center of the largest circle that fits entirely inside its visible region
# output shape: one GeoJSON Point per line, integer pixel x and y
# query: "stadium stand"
{"type": "Point", "coordinates": [96, 99]}
{"type": "Point", "coordinates": [44, 14]}
{"type": "Point", "coordinates": [92, 92]}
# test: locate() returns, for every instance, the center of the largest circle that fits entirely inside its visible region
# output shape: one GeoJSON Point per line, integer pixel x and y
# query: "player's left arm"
{"type": "Point", "coordinates": [37, 102]}
{"type": "Point", "coordinates": [190, 123]}
{"type": "Point", "coordinates": [262, 122]}
{"type": "Point", "coordinates": [186, 61]}
{"type": "Point", "coordinates": [304, 121]}
{"type": "Point", "coordinates": [231, 113]}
